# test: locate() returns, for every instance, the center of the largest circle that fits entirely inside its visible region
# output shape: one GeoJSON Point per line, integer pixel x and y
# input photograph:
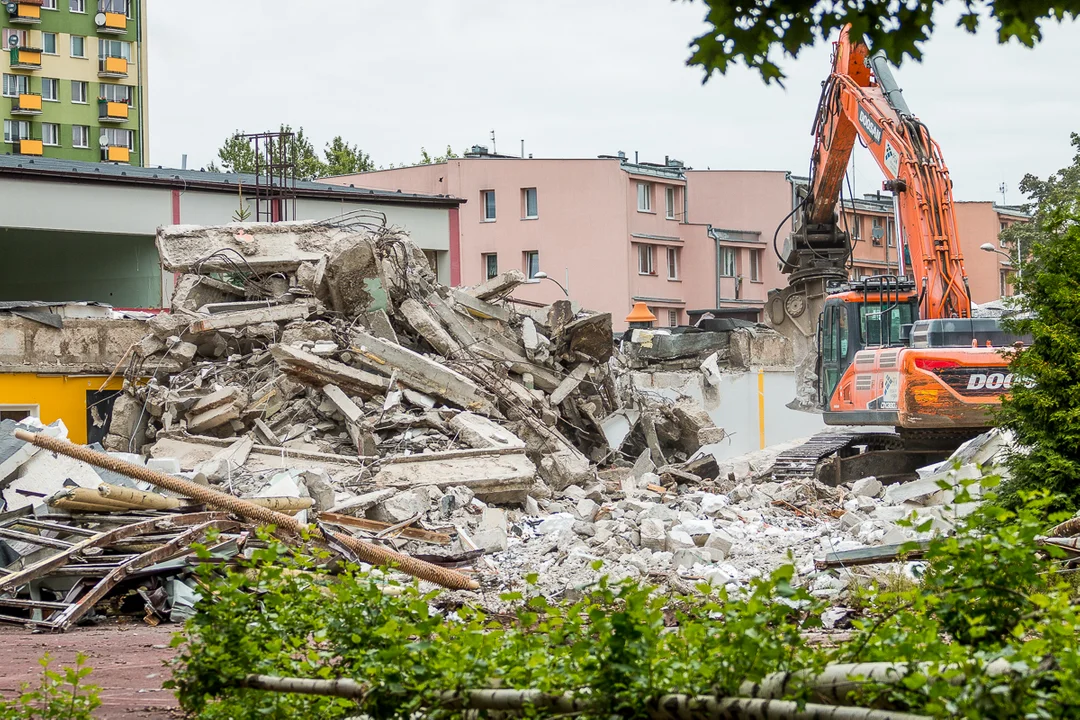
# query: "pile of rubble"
{"type": "Point", "coordinates": [320, 370]}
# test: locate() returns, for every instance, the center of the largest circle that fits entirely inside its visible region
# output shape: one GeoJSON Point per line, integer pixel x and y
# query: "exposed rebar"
{"type": "Point", "coordinates": [364, 551]}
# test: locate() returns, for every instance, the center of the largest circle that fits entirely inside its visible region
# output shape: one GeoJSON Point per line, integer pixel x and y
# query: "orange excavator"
{"type": "Point", "coordinates": [897, 350]}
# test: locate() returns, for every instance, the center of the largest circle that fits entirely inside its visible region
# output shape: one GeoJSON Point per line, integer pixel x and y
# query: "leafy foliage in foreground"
{"type": "Point", "coordinates": [60, 695]}
{"type": "Point", "coordinates": [752, 33]}
{"type": "Point", "coordinates": [984, 596]}
{"type": "Point", "coordinates": [1044, 413]}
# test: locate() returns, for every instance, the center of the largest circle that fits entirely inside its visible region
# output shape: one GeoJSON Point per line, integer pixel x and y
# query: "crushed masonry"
{"type": "Point", "coordinates": [333, 379]}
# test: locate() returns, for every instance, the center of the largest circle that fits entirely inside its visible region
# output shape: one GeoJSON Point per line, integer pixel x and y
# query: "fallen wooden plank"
{"type": "Point", "coordinates": [436, 538]}
{"type": "Point", "coordinates": [872, 555]}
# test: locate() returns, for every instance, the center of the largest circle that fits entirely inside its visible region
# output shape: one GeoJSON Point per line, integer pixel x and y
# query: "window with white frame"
{"type": "Point", "coordinates": [890, 234]}
{"type": "Point", "coordinates": [48, 5]}
{"type": "Point", "coordinates": [669, 204]}
{"type": "Point", "coordinates": [15, 85]}
{"type": "Point", "coordinates": [48, 43]}
{"type": "Point", "coordinates": [1006, 283]}
{"type": "Point", "coordinates": [79, 89]}
{"type": "Point", "coordinates": [116, 93]}
{"type": "Point", "coordinates": [854, 229]}
{"type": "Point", "coordinates": [113, 6]}
{"type": "Point", "coordinates": [646, 255]}
{"type": "Point", "coordinates": [80, 136]}
{"type": "Point", "coordinates": [19, 412]}
{"type": "Point", "coordinates": [672, 263]}
{"type": "Point", "coordinates": [673, 318]}
{"type": "Point", "coordinates": [78, 46]}
{"type": "Point", "coordinates": [16, 130]}
{"type": "Point", "coordinates": [727, 262]}
{"type": "Point", "coordinates": [21, 38]}
{"type": "Point", "coordinates": [50, 89]}
{"type": "Point", "coordinates": [877, 230]}
{"type": "Point", "coordinates": [531, 260]}
{"type": "Point", "coordinates": [118, 137]}
{"type": "Point", "coordinates": [491, 265]}
{"type": "Point", "coordinates": [114, 48]}
{"type": "Point", "coordinates": [50, 134]}
{"type": "Point", "coordinates": [644, 197]}
{"type": "Point", "coordinates": [487, 200]}
{"type": "Point", "coordinates": [528, 203]}
{"type": "Point", "coordinates": [755, 266]}
{"type": "Point", "coordinates": [77, 6]}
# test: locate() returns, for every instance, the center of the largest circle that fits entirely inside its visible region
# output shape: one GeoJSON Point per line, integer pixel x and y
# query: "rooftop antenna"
{"type": "Point", "coordinates": [183, 161]}
{"type": "Point", "coordinates": [1003, 188]}
{"type": "Point", "coordinates": [493, 150]}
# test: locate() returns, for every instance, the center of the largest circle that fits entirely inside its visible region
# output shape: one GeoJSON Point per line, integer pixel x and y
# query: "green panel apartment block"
{"type": "Point", "coordinates": [74, 79]}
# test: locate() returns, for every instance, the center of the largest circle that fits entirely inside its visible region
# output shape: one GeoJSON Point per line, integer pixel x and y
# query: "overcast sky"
{"type": "Point", "coordinates": [574, 78]}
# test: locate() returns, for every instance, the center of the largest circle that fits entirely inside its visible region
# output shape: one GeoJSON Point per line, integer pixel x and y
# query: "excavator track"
{"type": "Point", "coordinates": [831, 455]}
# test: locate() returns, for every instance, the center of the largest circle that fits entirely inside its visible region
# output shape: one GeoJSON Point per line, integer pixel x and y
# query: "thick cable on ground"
{"type": "Point", "coordinates": [366, 552]}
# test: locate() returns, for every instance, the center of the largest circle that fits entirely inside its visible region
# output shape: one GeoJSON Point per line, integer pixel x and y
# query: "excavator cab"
{"type": "Point", "coordinates": [875, 312]}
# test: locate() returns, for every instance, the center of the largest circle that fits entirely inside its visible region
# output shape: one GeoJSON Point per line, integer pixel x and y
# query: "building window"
{"type": "Point", "coordinates": [16, 130]}
{"type": "Point", "coordinates": [116, 93]}
{"type": "Point", "coordinates": [114, 48]}
{"type": "Point", "coordinates": [487, 199]}
{"type": "Point", "coordinates": [669, 205]}
{"type": "Point", "coordinates": [528, 203]}
{"type": "Point", "coordinates": [78, 46]}
{"type": "Point", "coordinates": [855, 223]}
{"type": "Point", "coordinates": [891, 234]}
{"type": "Point", "coordinates": [48, 43]}
{"type": "Point", "coordinates": [532, 263]}
{"type": "Point", "coordinates": [877, 231]}
{"type": "Point", "coordinates": [673, 263]}
{"type": "Point", "coordinates": [118, 137]}
{"type": "Point", "coordinates": [646, 259]}
{"type": "Point", "coordinates": [50, 134]}
{"type": "Point", "coordinates": [1004, 226]}
{"type": "Point", "coordinates": [673, 318]}
{"type": "Point", "coordinates": [755, 266]}
{"type": "Point", "coordinates": [19, 412]}
{"type": "Point", "coordinates": [48, 4]}
{"type": "Point", "coordinates": [80, 136]}
{"type": "Point", "coordinates": [113, 6]}
{"type": "Point", "coordinates": [15, 85]}
{"type": "Point", "coordinates": [644, 197]}
{"type": "Point", "coordinates": [1006, 284]}
{"type": "Point", "coordinates": [50, 89]}
{"type": "Point", "coordinates": [20, 37]}
{"type": "Point", "coordinates": [77, 6]}
{"type": "Point", "coordinates": [491, 265]}
{"type": "Point", "coordinates": [727, 262]}
{"type": "Point", "coordinates": [78, 91]}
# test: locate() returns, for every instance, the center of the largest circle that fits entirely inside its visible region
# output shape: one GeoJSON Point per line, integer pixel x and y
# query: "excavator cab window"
{"type": "Point", "coordinates": [881, 323]}
{"type": "Point", "coordinates": [836, 346]}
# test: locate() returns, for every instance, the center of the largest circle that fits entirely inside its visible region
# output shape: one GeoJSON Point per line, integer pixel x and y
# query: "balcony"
{"type": "Point", "coordinates": [112, 67]}
{"type": "Point", "coordinates": [26, 13]}
{"type": "Point", "coordinates": [26, 104]}
{"type": "Point", "coordinates": [24, 58]}
{"type": "Point", "coordinates": [28, 147]}
{"type": "Point", "coordinates": [111, 23]}
{"type": "Point", "coordinates": [115, 153]}
{"type": "Point", "coordinates": [112, 112]}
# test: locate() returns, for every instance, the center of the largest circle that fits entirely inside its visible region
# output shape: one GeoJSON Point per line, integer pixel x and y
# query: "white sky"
{"type": "Point", "coordinates": [574, 78]}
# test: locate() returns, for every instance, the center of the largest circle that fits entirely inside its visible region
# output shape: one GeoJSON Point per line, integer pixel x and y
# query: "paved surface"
{"type": "Point", "coordinates": [126, 657]}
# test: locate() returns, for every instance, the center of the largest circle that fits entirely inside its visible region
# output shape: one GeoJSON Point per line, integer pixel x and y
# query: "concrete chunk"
{"type": "Point", "coordinates": [479, 308]}
{"type": "Point", "coordinates": [245, 318]}
{"type": "Point", "coordinates": [319, 372]}
{"type": "Point", "coordinates": [569, 385]}
{"type": "Point", "coordinates": [428, 327]}
{"type": "Point", "coordinates": [354, 276]}
{"type": "Point", "coordinates": [478, 432]}
{"type": "Point", "coordinates": [493, 478]}
{"type": "Point", "coordinates": [498, 285]}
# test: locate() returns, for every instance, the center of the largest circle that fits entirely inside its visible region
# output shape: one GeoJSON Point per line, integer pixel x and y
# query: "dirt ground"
{"type": "Point", "coordinates": [126, 657]}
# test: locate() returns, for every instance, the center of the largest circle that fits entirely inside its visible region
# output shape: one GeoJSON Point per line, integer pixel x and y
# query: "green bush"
{"type": "Point", "coordinates": [60, 695]}
{"type": "Point", "coordinates": [984, 596]}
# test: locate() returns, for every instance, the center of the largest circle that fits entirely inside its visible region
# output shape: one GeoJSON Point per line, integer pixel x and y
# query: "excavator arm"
{"type": "Point", "coordinates": [861, 99]}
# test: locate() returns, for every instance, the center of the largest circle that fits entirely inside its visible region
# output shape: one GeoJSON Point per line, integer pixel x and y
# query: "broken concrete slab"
{"type": "Point", "coordinates": [354, 275]}
{"type": "Point", "coordinates": [265, 247]}
{"type": "Point", "coordinates": [565, 467]}
{"type": "Point", "coordinates": [320, 372]}
{"type": "Point", "coordinates": [479, 308]}
{"type": "Point", "coordinates": [245, 318]}
{"type": "Point", "coordinates": [570, 383]}
{"type": "Point", "coordinates": [501, 284]}
{"type": "Point", "coordinates": [591, 336]}
{"type": "Point", "coordinates": [425, 324]}
{"type": "Point", "coordinates": [478, 432]}
{"type": "Point", "coordinates": [421, 373]}
{"type": "Point", "coordinates": [502, 478]}
{"type": "Point", "coordinates": [194, 291]}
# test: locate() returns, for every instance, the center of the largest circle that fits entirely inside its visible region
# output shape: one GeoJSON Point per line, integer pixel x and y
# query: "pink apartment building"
{"type": "Point", "coordinates": [614, 232]}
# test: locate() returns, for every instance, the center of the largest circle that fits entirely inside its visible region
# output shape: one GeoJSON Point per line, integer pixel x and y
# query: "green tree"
{"type": "Point", "coordinates": [1044, 408]}
{"type": "Point", "coordinates": [426, 159]}
{"type": "Point", "coordinates": [753, 33]}
{"type": "Point", "coordinates": [237, 154]}
{"type": "Point", "coordinates": [345, 159]}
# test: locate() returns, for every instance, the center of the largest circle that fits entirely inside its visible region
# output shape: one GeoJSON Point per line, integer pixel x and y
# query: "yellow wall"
{"type": "Point", "coordinates": [57, 396]}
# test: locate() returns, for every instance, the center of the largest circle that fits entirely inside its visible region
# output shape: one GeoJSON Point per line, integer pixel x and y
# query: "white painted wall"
{"type": "Point", "coordinates": [735, 406]}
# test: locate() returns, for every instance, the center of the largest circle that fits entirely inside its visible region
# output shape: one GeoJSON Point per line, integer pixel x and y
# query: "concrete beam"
{"type": "Point", "coordinates": [319, 372]}
{"type": "Point", "coordinates": [264, 247]}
